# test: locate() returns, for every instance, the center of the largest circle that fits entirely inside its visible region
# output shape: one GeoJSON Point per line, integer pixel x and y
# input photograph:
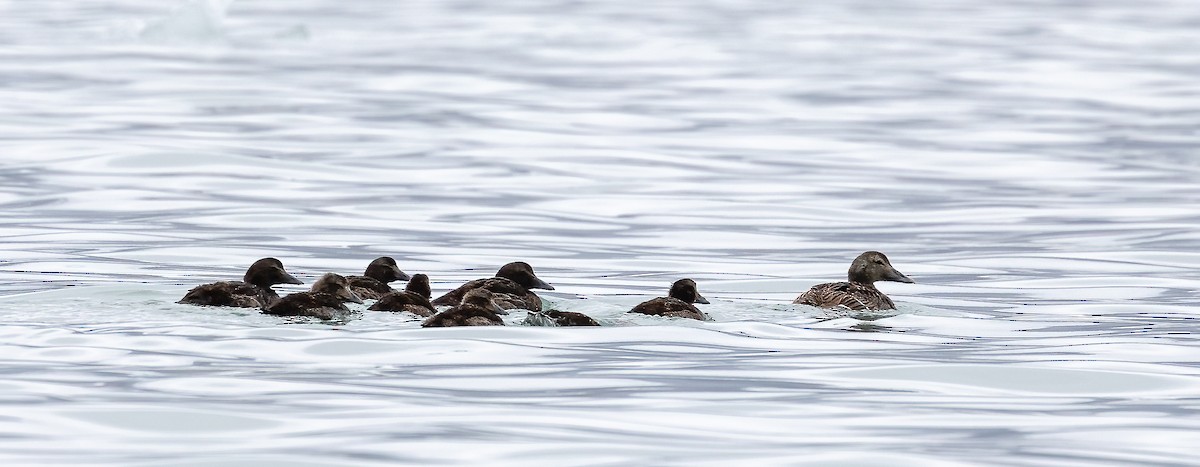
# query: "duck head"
{"type": "Point", "coordinates": [685, 289]}
{"type": "Point", "coordinates": [384, 269]}
{"type": "Point", "coordinates": [337, 286]}
{"type": "Point", "coordinates": [522, 273]}
{"type": "Point", "coordinates": [873, 266]}
{"type": "Point", "coordinates": [419, 284]}
{"type": "Point", "coordinates": [267, 272]}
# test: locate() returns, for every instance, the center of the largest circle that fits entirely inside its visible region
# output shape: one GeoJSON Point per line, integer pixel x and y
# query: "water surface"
{"type": "Point", "coordinates": [1028, 163]}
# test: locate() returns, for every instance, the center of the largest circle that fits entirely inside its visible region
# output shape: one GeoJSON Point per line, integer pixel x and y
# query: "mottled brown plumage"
{"type": "Point", "coordinates": [230, 293]}
{"type": "Point", "coordinates": [677, 303]}
{"type": "Point", "coordinates": [510, 286]}
{"type": "Point", "coordinates": [315, 305]}
{"type": "Point", "coordinates": [404, 301]}
{"type": "Point", "coordinates": [374, 281]}
{"type": "Point", "coordinates": [254, 291]}
{"type": "Point", "coordinates": [860, 292]}
{"type": "Point", "coordinates": [413, 299]}
{"type": "Point", "coordinates": [476, 309]}
{"type": "Point", "coordinates": [326, 300]}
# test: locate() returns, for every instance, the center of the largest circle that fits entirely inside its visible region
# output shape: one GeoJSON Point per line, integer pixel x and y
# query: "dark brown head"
{"type": "Point", "coordinates": [419, 284]}
{"type": "Point", "coordinates": [481, 298]}
{"type": "Point", "coordinates": [873, 266]}
{"type": "Point", "coordinates": [522, 273]}
{"type": "Point", "coordinates": [337, 286]}
{"type": "Point", "coordinates": [384, 269]}
{"type": "Point", "coordinates": [267, 272]}
{"type": "Point", "coordinates": [685, 289]}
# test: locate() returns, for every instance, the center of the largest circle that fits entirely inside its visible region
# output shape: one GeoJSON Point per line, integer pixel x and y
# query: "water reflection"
{"type": "Point", "coordinates": [869, 327]}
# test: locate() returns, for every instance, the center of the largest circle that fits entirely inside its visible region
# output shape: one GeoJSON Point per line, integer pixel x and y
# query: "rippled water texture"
{"type": "Point", "coordinates": [1031, 164]}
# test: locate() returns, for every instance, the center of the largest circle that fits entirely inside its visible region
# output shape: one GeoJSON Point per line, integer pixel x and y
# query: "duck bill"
{"type": "Point", "coordinates": [541, 284]}
{"type": "Point", "coordinates": [400, 275]}
{"type": "Point", "coordinates": [700, 299]}
{"type": "Point", "coordinates": [285, 278]}
{"type": "Point", "coordinates": [896, 276]}
{"type": "Point", "coordinates": [350, 296]}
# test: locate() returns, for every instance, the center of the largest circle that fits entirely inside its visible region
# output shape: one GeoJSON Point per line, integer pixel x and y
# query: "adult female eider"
{"type": "Point", "coordinates": [678, 303]}
{"type": "Point", "coordinates": [478, 308]}
{"type": "Point", "coordinates": [860, 292]}
{"type": "Point", "coordinates": [413, 299]}
{"type": "Point", "coordinates": [254, 291]}
{"type": "Point", "coordinates": [510, 287]}
{"type": "Point", "coordinates": [374, 281]}
{"type": "Point", "coordinates": [326, 300]}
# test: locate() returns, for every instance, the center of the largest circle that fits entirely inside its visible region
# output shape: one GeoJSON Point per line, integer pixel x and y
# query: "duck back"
{"type": "Point", "coordinates": [230, 293]}
{"type": "Point", "coordinates": [507, 293]}
{"type": "Point", "coordinates": [368, 288]}
{"type": "Point", "coordinates": [404, 301]}
{"type": "Point", "coordinates": [463, 316]}
{"type": "Point", "coordinates": [314, 304]}
{"type": "Point", "coordinates": [851, 295]}
{"type": "Point", "coordinates": [669, 306]}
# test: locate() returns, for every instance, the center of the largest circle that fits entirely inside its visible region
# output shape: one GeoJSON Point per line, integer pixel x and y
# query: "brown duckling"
{"type": "Point", "coordinates": [860, 292]}
{"type": "Point", "coordinates": [678, 302]}
{"type": "Point", "coordinates": [326, 300]}
{"type": "Point", "coordinates": [419, 284]}
{"type": "Point", "coordinates": [478, 308]}
{"type": "Point", "coordinates": [374, 281]}
{"type": "Point", "coordinates": [254, 291]}
{"type": "Point", "coordinates": [413, 299]}
{"type": "Point", "coordinates": [510, 286]}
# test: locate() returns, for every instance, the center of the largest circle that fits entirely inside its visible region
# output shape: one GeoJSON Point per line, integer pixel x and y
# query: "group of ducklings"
{"type": "Point", "coordinates": [481, 302]}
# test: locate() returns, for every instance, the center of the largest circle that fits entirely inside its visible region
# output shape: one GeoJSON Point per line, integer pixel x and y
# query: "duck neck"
{"type": "Point", "coordinates": [860, 278]}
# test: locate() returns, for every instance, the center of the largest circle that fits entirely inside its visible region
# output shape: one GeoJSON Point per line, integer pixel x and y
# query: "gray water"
{"type": "Point", "coordinates": [1030, 164]}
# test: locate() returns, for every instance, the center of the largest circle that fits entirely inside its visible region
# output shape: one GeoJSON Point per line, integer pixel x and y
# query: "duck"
{"type": "Point", "coordinates": [325, 300]}
{"type": "Point", "coordinates": [510, 286]}
{"type": "Point", "coordinates": [419, 284]}
{"type": "Point", "coordinates": [413, 299]}
{"type": "Point", "coordinates": [678, 303]}
{"type": "Point", "coordinates": [859, 293]}
{"type": "Point", "coordinates": [374, 281]}
{"type": "Point", "coordinates": [478, 308]}
{"type": "Point", "coordinates": [254, 290]}
{"type": "Point", "coordinates": [555, 318]}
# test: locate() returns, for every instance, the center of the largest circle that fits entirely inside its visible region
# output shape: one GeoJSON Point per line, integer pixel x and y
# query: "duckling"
{"type": "Point", "coordinates": [326, 300]}
{"type": "Point", "coordinates": [860, 292]}
{"type": "Point", "coordinates": [510, 286]}
{"type": "Point", "coordinates": [254, 291]}
{"type": "Point", "coordinates": [374, 281]}
{"type": "Point", "coordinates": [678, 302]}
{"type": "Point", "coordinates": [413, 299]}
{"type": "Point", "coordinates": [478, 308]}
{"type": "Point", "coordinates": [419, 284]}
